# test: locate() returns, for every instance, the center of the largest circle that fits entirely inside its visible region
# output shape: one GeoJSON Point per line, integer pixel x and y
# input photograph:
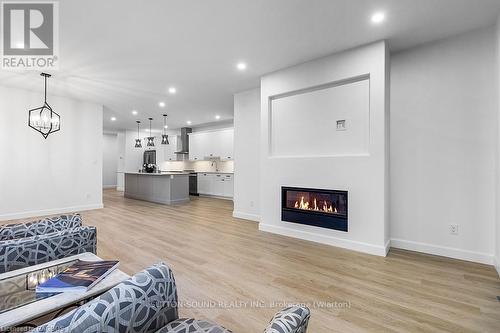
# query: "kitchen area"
{"type": "Point", "coordinates": [193, 163]}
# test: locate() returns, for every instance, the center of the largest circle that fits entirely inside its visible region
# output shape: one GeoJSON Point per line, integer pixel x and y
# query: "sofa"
{"type": "Point", "coordinates": [27, 244]}
{"type": "Point", "coordinates": [148, 303]}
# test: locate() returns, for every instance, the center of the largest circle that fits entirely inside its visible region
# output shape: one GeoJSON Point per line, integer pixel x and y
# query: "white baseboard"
{"type": "Point", "coordinates": [246, 216]}
{"type": "Point", "coordinates": [387, 246]}
{"type": "Point", "coordinates": [108, 186]}
{"type": "Point", "coordinates": [479, 257]}
{"type": "Point", "coordinates": [120, 188]}
{"type": "Point", "coordinates": [328, 240]}
{"type": "Point", "coordinates": [497, 265]}
{"type": "Point", "coordinates": [45, 212]}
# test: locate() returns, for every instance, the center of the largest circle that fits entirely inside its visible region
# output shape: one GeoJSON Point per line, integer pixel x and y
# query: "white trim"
{"type": "Point", "coordinates": [246, 216]}
{"type": "Point", "coordinates": [479, 257]}
{"type": "Point", "coordinates": [108, 186]}
{"type": "Point", "coordinates": [377, 250]}
{"type": "Point", "coordinates": [497, 265]}
{"type": "Point", "coordinates": [44, 212]}
{"type": "Point", "coordinates": [120, 188]}
{"type": "Point", "coordinates": [387, 246]}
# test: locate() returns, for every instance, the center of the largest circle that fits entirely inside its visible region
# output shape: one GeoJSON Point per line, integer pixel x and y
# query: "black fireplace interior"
{"type": "Point", "coordinates": [316, 207]}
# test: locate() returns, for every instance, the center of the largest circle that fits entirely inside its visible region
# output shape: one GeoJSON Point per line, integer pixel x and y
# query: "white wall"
{"type": "Point", "coordinates": [120, 176]}
{"type": "Point", "coordinates": [363, 176]}
{"type": "Point", "coordinates": [62, 173]}
{"type": "Point", "coordinates": [247, 155]}
{"type": "Point", "coordinates": [497, 227]}
{"type": "Point", "coordinates": [109, 160]}
{"type": "Point", "coordinates": [444, 113]}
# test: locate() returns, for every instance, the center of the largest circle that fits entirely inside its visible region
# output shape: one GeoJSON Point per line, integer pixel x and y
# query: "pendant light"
{"type": "Point", "coordinates": [138, 143]}
{"type": "Point", "coordinates": [164, 136]}
{"type": "Point", "coordinates": [151, 139]}
{"type": "Point", "coordinates": [43, 119]}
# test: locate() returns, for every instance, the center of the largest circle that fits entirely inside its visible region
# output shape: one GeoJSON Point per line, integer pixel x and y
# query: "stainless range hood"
{"type": "Point", "coordinates": [184, 141]}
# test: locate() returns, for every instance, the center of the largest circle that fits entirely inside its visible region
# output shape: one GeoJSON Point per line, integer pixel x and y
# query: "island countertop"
{"type": "Point", "coordinates": [157, 174]}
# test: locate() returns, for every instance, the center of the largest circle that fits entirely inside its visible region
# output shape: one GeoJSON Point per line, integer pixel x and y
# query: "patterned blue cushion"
{"type": "Point", "coordinates": [293, 319]}
{"type": "Point", "coordinates": [24, 252]}
{"type": "Point", "coordinates": [40, 227]}
{"type": "Point", "coordinates": [141, 304]}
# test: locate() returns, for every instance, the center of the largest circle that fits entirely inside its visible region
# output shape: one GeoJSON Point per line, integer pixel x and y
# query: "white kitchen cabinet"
{"type": "Point", "coordinates": [216, 184]}
{"type": "Point", "coordinates": [228, 186]}
{"type": "Point", "coordinates": [205, 181]}
{"type": "Point", "coordinates": [217, 143]}
{"type": "Point", "coordinates": [224, 148]}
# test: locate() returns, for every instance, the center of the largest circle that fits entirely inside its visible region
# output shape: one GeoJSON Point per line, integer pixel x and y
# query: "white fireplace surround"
{"type": "Point", "coordinates": [300, 105]}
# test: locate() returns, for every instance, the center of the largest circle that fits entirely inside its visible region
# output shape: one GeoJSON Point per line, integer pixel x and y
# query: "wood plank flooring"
{"type": "Point", "coordinates": [219, 259]}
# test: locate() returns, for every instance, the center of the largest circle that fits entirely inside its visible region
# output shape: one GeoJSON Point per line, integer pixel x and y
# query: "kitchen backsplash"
{"type": "Point", "coordinates": [199, 166]}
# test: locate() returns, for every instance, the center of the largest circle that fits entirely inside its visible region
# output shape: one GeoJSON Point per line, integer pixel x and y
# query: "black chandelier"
{"type": "Point", "coordinates": [164, 136]}
{"type": "Point", "coordinates": [138, 143]}
{"type": "Point", "coordinates": [151, 139]}
{"type": "Point", "coordinates": [43, 119]}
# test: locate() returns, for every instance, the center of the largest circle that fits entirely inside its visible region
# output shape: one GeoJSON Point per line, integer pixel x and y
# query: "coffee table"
{"type": "Point", "coordinates": [18, 305]}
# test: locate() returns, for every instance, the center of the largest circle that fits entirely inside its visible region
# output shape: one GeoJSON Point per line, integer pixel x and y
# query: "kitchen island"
{"type": "Point", "coordinates": [167, 188]}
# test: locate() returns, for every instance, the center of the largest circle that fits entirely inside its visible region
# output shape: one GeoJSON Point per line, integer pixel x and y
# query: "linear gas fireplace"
{"type": "Point", "coordinates": [316, 207]}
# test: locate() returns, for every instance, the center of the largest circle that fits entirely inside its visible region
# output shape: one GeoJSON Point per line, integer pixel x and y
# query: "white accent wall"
{"type": "Point", "coordinates": [497, 226]}
{"type": "Point", "coordinates": [109, 160]}
{"type": "Point", "coordinates": [62, 173]}
{"type": "Point", "coordinates": [247, 155]}
{"type": "Point", "coordinates": [347, 163]}
{"type": "Point", "coordinates": [444, 118]}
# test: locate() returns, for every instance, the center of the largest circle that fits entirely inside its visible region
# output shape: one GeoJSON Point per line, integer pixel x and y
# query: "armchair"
{"type": "Point", "coordinates": [27, 244]}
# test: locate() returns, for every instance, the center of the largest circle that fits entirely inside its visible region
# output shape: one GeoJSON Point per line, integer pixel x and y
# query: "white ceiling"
{"type": "Point", "coordinates": [125, 54]}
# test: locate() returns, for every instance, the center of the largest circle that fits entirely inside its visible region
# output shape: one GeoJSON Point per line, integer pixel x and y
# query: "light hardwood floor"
{"type": "Point", "coordinates": [217, 258]}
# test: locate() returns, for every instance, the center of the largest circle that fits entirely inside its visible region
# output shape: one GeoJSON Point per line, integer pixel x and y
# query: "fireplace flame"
{"type": "Point", "coordinates": [304, 205]}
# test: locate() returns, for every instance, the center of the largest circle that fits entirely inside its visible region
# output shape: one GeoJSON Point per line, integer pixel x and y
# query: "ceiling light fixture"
{"type": "Point", "coordinates": [113, 118]}
{"type": "Point", "coordinates": [134, 112]}
{"type": "Point", "coordinates": [161, 104]}
{"type": "Point", "coordinates": [138, 143]}
{"type": "Point", "coordinates": [241, 66]}
{"type": "Point", "coordinates": [172, 90]}
{"type": "Point", "coordinates": [164, 136]}
{"type": "Point", "coordinates": [378, 17]}
{"type": "Point", "coordinates": [43, 119]}
{"type": "Point", "coordinates": [151, 139]}
{"type": "Point", "coordinates": [188, 122]}
{"type": "Point", "coordinates": [217, 117]}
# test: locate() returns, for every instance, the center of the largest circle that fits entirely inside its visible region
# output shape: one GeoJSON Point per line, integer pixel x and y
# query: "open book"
{"type": "Point", "coordinates": [79, 277]}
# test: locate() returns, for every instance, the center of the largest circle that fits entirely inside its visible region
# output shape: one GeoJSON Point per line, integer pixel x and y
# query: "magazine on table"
{"type": "Point", "coordinates": [79, 277]}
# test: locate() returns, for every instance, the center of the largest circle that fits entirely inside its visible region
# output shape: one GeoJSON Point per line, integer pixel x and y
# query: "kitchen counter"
{"type": "Point", "coordinates": [157, 174]}
{"type": "Point", "coordinates": [166, 188]}
{"type": "Point", "coordinates": [217, 172]}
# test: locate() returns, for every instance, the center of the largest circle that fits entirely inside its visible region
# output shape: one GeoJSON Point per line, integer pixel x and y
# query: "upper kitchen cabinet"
{"type": "Point", "coordinates": [211, 144]}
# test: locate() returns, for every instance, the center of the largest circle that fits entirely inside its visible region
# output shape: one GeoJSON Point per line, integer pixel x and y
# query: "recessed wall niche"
{"type": "Point", "coordinates": [304, 123]}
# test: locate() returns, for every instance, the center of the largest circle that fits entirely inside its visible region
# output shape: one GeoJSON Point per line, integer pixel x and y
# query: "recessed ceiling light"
{"type": "Point", "coordinates": [217, 117]}
{"type": "Point", "coordinates": [134, 112]}
{"type": "Point", "coordinates": [188, 122]}
{"type": "Point", "coordinates": [113, 118]}
{"type": "Point", "coordinates": [241, 66]}
{"type": "Point", "coordinates": [378, 17]}
{"type": "Point", "coordinates": [166, 126]}
{"type": "Point", "coordinates": [172, 90]}
{"type": "Point", "coordinates": [161, 104]}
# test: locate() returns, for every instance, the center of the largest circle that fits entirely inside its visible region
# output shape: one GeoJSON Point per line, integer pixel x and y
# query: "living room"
{"type": "Point", "coordinates": [249, 166]}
